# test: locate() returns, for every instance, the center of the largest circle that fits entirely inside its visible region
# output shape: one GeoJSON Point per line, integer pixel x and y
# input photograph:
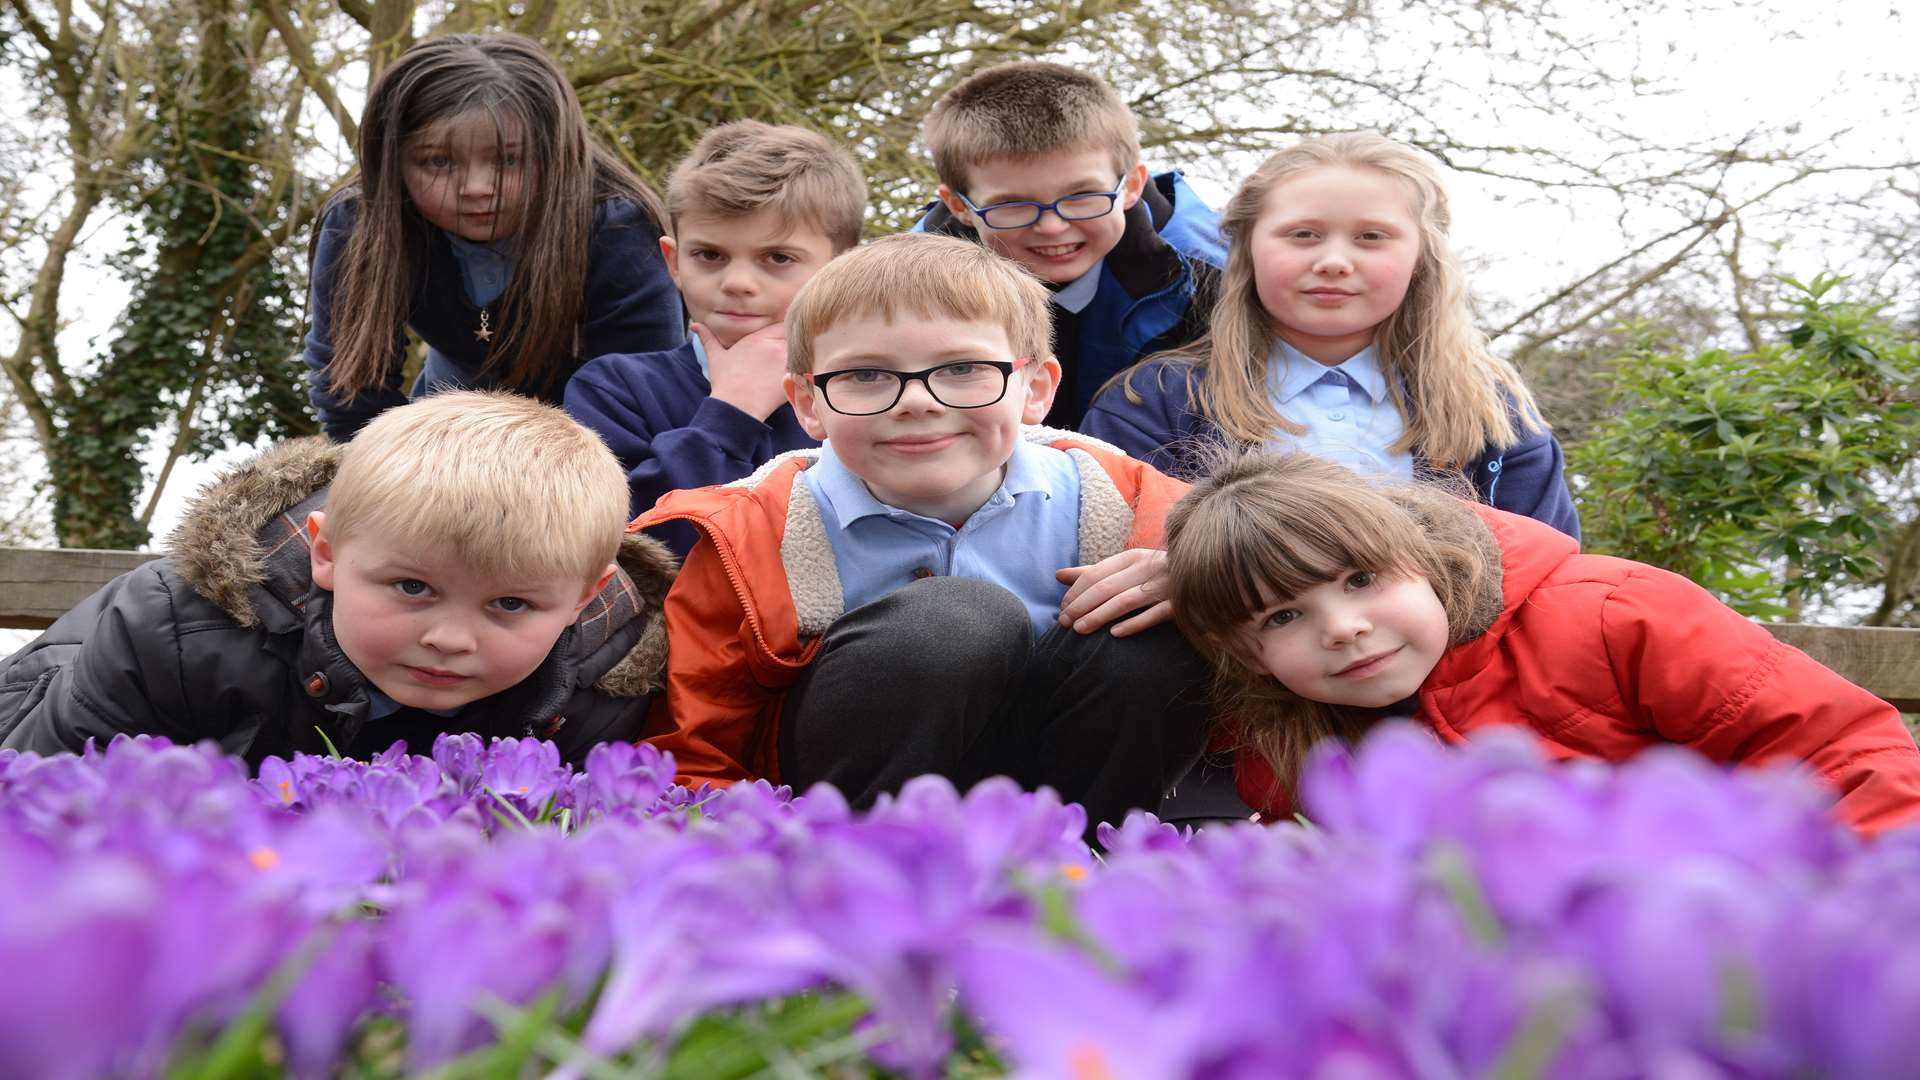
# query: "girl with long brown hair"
{"type": "Point", "coordinates": [1343, 329]}
{"type": "Point", "coordinates": [485, 218]}
{"type": "Point", "coordinates": [1327, 603]}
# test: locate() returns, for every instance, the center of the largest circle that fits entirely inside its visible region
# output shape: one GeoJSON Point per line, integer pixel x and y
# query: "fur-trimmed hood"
{"type": "Point", "coordinates": [242, 546]}
{"type": "Point", "coordinates": [217, 546]}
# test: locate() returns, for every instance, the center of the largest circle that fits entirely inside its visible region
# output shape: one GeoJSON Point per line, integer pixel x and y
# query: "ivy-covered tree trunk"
{"type": "Point", "coordinates": [209, 307]}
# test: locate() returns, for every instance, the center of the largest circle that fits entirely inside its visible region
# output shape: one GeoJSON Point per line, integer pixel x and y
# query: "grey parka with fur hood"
{"type": "Point", "coordinates": [228, 639]}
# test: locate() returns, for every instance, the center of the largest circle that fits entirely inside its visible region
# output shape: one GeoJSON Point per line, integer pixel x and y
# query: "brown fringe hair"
{"type": "Point", "coordinates": [1262, 528]}
{"type": "Point", "coordinates": [514, 80]}
{"type": "Point", "coordinates": [925, 275]}
{"type": "Point", "coordinates": [1022, 111]}
{"type": "Point", "coordinates": [744, 167]}
{"type": "Point", "coordinates": [1455, 396]}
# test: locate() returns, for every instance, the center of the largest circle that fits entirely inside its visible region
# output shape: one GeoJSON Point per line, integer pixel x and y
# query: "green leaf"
{"type": "Point", "coordinates": [505, 812]}
{"type": "Point", "coordinates": [1449, 866]}
{"type": "Point", "coordinates": [332, 750]}
{"type": "Point", "coordinates": [722, 1046]}
{"type": "Point", "coordinates": [1543, 1032]}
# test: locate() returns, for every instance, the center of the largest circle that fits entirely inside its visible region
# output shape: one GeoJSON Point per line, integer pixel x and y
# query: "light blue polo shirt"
{"type": "Point", "coordinates": [1348, 415]}
{"type": "Point", "coordinates": [700, 355]}
{"type": "Point", "coordinates": [1078, 293]}
{"type": "Point", "coordinates": [1028, 528]}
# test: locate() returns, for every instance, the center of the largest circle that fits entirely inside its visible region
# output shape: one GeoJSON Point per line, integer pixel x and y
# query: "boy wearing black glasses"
{"type": "Point", "coordinates": [931, 591]}
{"type": "Point", "coordinates": [1042, 163]}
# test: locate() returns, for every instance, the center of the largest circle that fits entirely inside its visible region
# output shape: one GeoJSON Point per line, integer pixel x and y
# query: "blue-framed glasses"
{"type": "Point", "coordinates": [1019, 215]}
{"type": "Point", "coordinates": [962, 384]}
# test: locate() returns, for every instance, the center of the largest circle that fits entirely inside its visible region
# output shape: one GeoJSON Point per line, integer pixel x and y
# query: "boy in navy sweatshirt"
{"type": "Point", "coordinates": [754, 211]}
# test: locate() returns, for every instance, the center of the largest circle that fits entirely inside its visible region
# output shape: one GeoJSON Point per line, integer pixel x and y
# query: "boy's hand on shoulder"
{"type": "Point", "coordinates": [1132, 582]}
{"type": "Point", "coordinates": [748, 375]}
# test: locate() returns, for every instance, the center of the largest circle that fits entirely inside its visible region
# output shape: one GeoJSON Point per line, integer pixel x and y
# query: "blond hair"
{"type": "Point", "coordinates": [744, 167]}
{"type": "Point", "coordinates": [513, 488]}
{"type": "Point", "coordinates": [1261, 528]}
{"type": "Point", "coordinates": [1024, 110]}
{"type": "Point", "coordinates": [924, 275]}
{"type": "Point", "coordinates": [1456, 397]}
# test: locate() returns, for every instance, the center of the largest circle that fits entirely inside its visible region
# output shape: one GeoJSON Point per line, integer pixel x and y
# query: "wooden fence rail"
{"type": "Point", "coordinates": [37, 585]}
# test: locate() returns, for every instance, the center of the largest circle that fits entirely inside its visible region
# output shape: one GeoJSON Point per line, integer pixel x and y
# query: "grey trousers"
{"type": "Point", "coordinates": [944, 676]}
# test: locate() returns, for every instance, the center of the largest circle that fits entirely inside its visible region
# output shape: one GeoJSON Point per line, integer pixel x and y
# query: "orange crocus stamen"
{"type": "Point", "coordinates": [1086, 1061]}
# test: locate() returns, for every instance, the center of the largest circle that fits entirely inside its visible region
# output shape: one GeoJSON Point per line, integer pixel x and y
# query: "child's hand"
{"type": "Point", "coordinates": [748, 376]}
{"type": "Point", "coordinates": [1131, 581]}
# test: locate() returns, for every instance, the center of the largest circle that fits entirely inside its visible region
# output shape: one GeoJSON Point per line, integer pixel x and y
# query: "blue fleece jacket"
{"type": "Point", "coordinates": [1170, 253]}
{"type": "Point", "coordinates": [630, 305]}
{"type": "Point", "coordinates": [1164, 430]}
{"type": "Point", "coordinates": [656, 411]}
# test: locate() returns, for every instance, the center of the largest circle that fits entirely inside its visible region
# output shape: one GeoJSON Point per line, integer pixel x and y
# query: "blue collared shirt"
{"type": "Point", "coordinates": [1028, 528]}
{"type": "Point", "coordinates": [484, 268]}
{"type": "Point", "coordinates": [1348, 415]}
{"type": "Point", "coordinates": [1075, 295]}
{"type": "Point", "coordinates": [700, 356]}
{"type": "Point", "coordinates": [380, 706]}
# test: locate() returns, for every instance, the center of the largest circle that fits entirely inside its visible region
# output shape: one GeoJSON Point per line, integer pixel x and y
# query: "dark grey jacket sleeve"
{"type": "Point", "coordinates": [108, 666]}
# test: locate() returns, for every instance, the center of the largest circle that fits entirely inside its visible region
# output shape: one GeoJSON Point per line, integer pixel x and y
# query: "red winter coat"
{"type": "Point", "coordinates": [1604, 657]}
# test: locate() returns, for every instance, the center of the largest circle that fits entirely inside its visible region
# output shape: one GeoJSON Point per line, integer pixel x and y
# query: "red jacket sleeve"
{"type": "Point", "coordinates": [1700, 674]}
{"type": "Point", "coordinates": [713, 702]}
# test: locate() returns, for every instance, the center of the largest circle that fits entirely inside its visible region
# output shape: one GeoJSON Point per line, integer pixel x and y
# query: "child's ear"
{"type": "Point", "coordinates": [320, 550]}
{"type": "Point", "coordinates": [803, 397]}
{"type": "Point", "coordinates": [957, 206]}
{"type": "Point", "coordinates": [670, 253]}
{"type": "Point", "coordinates": [593, 590]}
{"type": "Point", "coordinates": [1136, 183]}
{"type": "Point", "coordinates": [1041, 386]}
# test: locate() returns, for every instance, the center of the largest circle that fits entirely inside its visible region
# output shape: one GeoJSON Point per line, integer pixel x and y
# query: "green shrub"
{"type": "Point", "coordinates": [1766, 476]}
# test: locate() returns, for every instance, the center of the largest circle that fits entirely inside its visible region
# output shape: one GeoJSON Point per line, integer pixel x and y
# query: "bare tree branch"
{"type": "Point", "coordinates": [301, 53]}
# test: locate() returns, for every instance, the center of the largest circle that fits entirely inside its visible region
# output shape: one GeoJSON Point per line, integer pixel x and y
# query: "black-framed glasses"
{"type": "Point", "coordinates": [1081, 206]}
{"type": "Point", "coordinates": [962, 384]}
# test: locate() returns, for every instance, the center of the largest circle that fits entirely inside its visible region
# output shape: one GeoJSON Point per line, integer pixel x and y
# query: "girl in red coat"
{"type": "Point", "coordinates": [1328, 603]}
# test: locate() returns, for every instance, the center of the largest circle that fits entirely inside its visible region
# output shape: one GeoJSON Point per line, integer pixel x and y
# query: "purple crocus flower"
{"type": "Point", "coordinates": [1855, 987]}
{"type": "Point", "coordinates": [1140, 831]}
{"type": "Point", "coordinates": [77, 945]}
{"type": "Point", "coordinates": [526, 773]}
{"type": "Point", "coordinates": [461, 758]}
{"type": "Point", "coordinates": [504, 919]}
{"type": "Point", "coordinates": [622, 780]}
{"type": "Point", "coordinates": [1063, 1017]}
{"type": "Point", "coordinates": [695, 925]}
{"type": "Point", "coordinates": [339, 985]}
{"type": "Point", "coordinates": [327, 860]}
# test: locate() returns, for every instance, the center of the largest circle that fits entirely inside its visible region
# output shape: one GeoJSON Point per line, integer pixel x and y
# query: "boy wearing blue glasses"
{"type": "Point", "coordinates": [930, 591]}
{"type": "Point", "coordinates": [1042, 162]}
